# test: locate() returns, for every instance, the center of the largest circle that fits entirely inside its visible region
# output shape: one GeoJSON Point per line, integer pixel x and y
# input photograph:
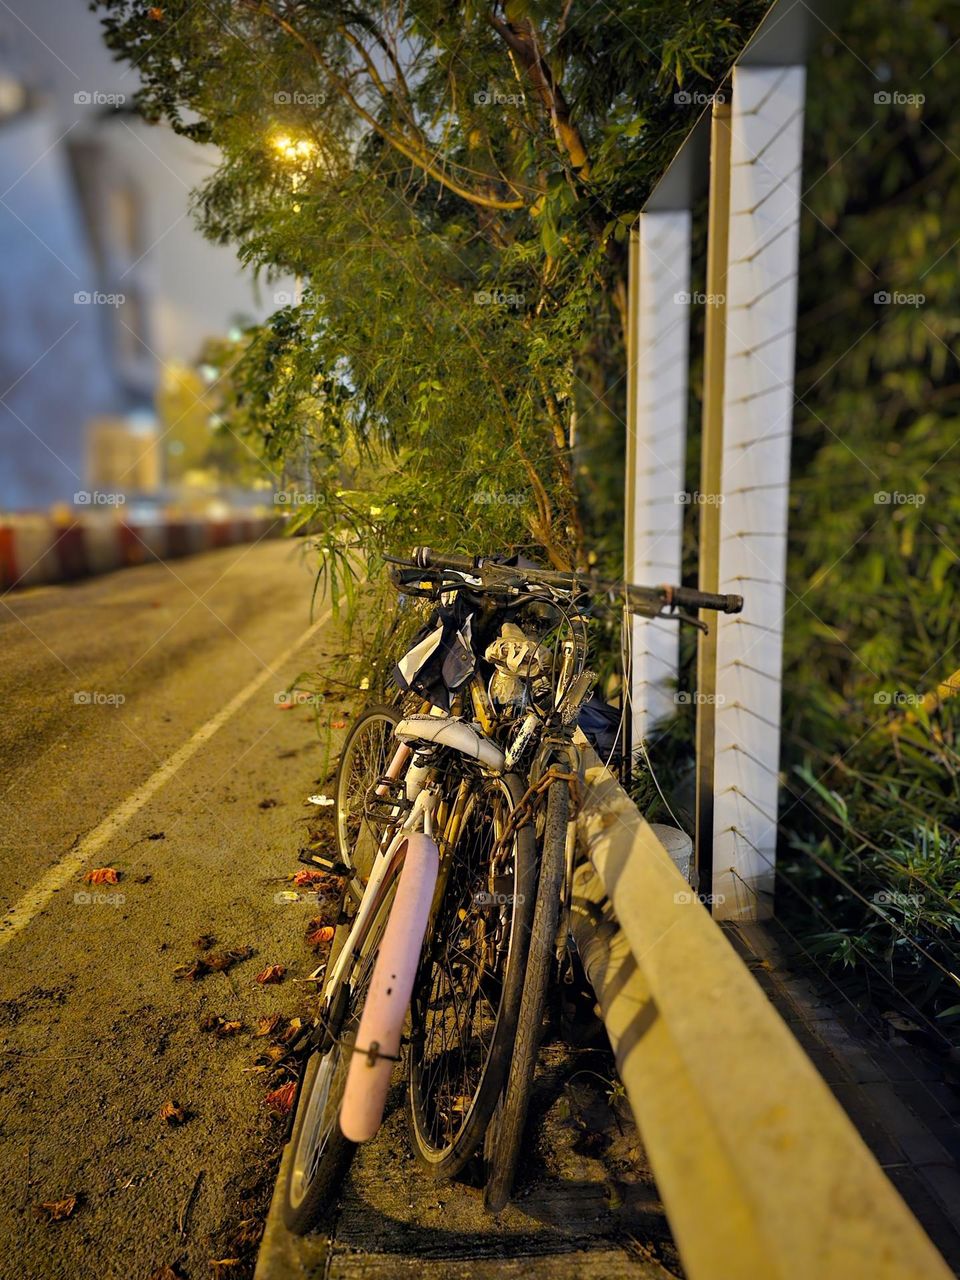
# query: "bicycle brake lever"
{"type": "Point", "coordinates": [687, 617]}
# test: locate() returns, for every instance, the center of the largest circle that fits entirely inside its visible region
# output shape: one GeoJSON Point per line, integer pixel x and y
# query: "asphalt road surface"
{"type": "Point", "coordinates": [170, 787]}
{"type": "Point", "coordinates": [141, 732]}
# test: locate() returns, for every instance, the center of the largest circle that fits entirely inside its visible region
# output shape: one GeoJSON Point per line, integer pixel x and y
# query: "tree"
{"type": "Point", "coordinates": [454, 183]}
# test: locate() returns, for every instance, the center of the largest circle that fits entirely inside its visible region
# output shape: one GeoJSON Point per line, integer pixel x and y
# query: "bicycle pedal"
{"type": "Point", "coordinates": [386, 801]}
{"type": "Point", "coordinates": [324, 861]}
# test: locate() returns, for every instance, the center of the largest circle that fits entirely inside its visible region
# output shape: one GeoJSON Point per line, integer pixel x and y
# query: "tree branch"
{"type": "Point", "coordinates": [411, 150]}
{"type": "Point", "coordinates": [523, 44]}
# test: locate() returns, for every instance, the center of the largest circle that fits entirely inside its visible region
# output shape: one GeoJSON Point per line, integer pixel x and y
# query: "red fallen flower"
{"type": "Point", "coordinates": [272, 973]}
{"type": "Point", "coordinates": [102, 875]}
{"type": "Point", "coordinates": [304, 879]}
{"type": "Point", "coordinates": [281, 1100]}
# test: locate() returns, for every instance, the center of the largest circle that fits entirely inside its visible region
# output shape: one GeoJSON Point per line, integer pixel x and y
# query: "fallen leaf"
{"type": "Point", "coordinates": [204, 942]}
{"type": "Point", "coordinates": [268, 804]}
{"type": "Point", "coordinates": [56, 1210]}
{"type": "Point", "coordinates": [338, 724]}
{"type": "Point", "coordinates": [268, 1024]}
{"type": "Point", "coordinates": [899, 1022]}
{"type": "Point", "coordinates": [281, 1100]}
{"type": "Point", "coordinates": [321, 800]}
{"type": "Point", "coordinates": [220, 1027]}
{"type": "Point", "coordinates": [326, 884]}
{"type": "Point", "coordinates": [102, 875]}
{"type": "Point", "coordinates": [306, 879]}
{"type": "Point", "coordinates": [273, 1053]}
{"type": "Point", "coordinates": [157, 835]}
{"type": "Point", "coordinates": [173, 1113]}
{"type": "Point", "coordinates": [272, 973]}
{"type": "Point", "coordinates": [191, 972]}
{"type": "Point", "coordinates": [316, 937]}
{"type": "Point", "coordinates": [249, 1231]}
{"type": "Point", "coordinates": [224, 960]}
{"type": "Point", "coordinates": [292, 1031]}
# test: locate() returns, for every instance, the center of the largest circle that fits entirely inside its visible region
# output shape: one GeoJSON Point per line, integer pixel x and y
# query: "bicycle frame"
{"type": "Point", "coordinates": [385, 866]}
{"type": "Point", "coordinates": [411, 860]}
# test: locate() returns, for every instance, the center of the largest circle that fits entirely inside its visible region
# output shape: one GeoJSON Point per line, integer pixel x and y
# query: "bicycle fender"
{"type": "Point", "coordinates": [377, 1046]}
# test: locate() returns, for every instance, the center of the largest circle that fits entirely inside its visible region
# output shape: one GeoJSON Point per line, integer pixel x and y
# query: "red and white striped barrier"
{"type": "Point", "coordinates": [35, 549]}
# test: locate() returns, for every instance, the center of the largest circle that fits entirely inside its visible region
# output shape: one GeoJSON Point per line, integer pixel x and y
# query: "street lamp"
{"type": "Point", "coordinates": [294, 150]}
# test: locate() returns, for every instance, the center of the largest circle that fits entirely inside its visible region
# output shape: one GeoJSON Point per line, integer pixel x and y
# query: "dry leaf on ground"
{"type": "Point", "coordinates": [281, 1100]}
{"type": "Point", "coordinates": [220, 1027]}
{"type": "Point", "coordinates": [306, 878]}
{"type": "Point", "coordinates": [173, 1113]}
{"type": "Point", "coordinates": [291, 1032]}
{"type": "Point", "coordinates": [102, 875]}
{"type": "Point", "coordinates": [272, 973]}
{"type": "Point", "coordinates": [268, 1024]}
{"type": "Point", "coordinates": [223, 960]}
{"type": "Point", "coordinates": [56, 1210]}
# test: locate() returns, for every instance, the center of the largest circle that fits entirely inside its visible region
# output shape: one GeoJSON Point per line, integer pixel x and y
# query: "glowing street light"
{"type": "Point", "coordinates": [293, 150]}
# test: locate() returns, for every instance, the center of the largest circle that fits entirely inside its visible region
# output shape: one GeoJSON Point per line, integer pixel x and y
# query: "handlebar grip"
{"type": "Point", "coordinates": [708, 600]}
{"type": "Point", "coordinates": [428, 559]}
{"type": "Point", "coordinates": [669, 597]}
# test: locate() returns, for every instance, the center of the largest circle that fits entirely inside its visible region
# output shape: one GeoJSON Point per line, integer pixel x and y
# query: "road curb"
{"type": "Point", "coordinates": [285, 1255]}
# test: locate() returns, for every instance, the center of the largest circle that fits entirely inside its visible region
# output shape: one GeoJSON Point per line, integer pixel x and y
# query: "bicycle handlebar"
{"type": "Point", "coordinates": [638, 598]}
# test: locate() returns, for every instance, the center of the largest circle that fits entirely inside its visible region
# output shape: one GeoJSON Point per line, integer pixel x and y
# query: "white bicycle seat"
{"type": "Point", "coordinates": [447, 731]}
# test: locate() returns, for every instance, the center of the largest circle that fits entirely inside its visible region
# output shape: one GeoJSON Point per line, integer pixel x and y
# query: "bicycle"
{"type": "Point", "coordinates": [448, 846]}
{"type": "Point", "coordinates": [476, 995]}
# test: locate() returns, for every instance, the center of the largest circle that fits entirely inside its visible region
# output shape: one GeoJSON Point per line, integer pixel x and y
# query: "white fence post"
{"type": "Point", "coordinates": [660, 302]}
{"type": "Point", "coordinates": [767, 129]}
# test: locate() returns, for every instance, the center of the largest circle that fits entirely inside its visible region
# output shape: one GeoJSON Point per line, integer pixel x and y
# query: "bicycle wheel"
{"type": "Point", "coordinates": [367, 751]}
{"type": "Point", "coordinates": [319, 1153]}
{"type": "Point", "coordinates": [467, 994]}
{"type": "Point", "coordinates": [505, 1134]}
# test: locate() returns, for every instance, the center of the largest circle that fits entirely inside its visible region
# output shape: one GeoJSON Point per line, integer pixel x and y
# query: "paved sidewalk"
{"type": "Point", "coordinates": [586, 1207]}
{"type": "Point", "coordinates": [906, 1109]}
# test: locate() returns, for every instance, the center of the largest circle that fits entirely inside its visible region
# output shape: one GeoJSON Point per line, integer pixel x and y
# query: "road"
{"type": "Point", "coordinates": [96, 1035]}
{"type": "Point", "coordinates": [141, 732]}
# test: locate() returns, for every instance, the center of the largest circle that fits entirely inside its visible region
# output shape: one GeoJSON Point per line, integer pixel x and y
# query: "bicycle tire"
{"type": "Point", "coordinates": [357, 838]}
{"type": "Point", "coordinates": [446, 1126]}
{"type": "Point", "coordinates": [505, 1134]}
{"type": "Point", "coordinates": [303, 1209]}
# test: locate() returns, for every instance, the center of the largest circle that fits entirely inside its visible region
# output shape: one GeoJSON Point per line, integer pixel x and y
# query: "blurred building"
{"type": "Point", "coordinates": [104, 279]}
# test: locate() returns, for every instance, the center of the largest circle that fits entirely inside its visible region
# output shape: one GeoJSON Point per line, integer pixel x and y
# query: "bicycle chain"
{"type": "Point", "coordinates": [529, 803]}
